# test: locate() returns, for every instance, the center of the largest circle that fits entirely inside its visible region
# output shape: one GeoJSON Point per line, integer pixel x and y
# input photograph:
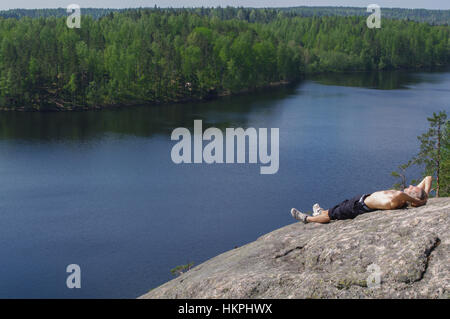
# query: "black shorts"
{"type": "Point", "coordinates": [349, 208]}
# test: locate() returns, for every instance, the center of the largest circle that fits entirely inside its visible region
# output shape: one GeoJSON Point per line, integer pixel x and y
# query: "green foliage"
{"type": "Point", "coordinates": [165, 55]}
{"type": "Point", "coordinates": [432, 148]}
{"type": "Point", "coordinates": [252, 14]}
{"type": "Point", "coordinates": [178, 270]}
{"type": "Point", "coordinates": [419, 15]}
{"type": "Point", "coordinates": [401, 185]}
{"type": "Point", "coordinates": [433, 156]}
{"type": "Point", "coordinates": [445, 168]}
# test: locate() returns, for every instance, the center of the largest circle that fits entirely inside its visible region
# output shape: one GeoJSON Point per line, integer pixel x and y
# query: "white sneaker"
{"type": "Point", "coordinates": [317, 210]}
{"type": "Point", "coordinates": [299, 215]}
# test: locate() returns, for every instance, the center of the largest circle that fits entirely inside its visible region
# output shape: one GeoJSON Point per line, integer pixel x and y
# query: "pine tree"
{"type": "Point", "coordinates": [434, 150]}
{"type": "Point", "coordinates": [401, 185]}
{"type": "Point", "coordinates": [445, 169]}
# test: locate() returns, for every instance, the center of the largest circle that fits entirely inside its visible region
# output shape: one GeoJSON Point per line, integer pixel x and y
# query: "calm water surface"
{"type": "Point", "coordinates": [99, 188]}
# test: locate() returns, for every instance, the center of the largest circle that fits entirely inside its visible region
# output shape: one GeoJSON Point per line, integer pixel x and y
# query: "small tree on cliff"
{"type": "Point", "coordinates": [445, 169]}
{"type": "Point", "coordinates": [401, 174]}
{"type": "Point", "coordinates": [432, 149]}
{"type": "Point", "coordinates": [434, 155]}
{"type": "Point", "coordinates": [178, 270]}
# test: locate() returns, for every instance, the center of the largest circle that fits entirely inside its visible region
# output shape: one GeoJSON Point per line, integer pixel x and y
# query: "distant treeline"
{"type": "Point", "coordinates": [140, 56]}
{"type": "Point", "coordinates": [434, 17]}
{"type": "Point", "coordinates": [420, 15]}
{"type": "Point", "coordinates": [60, 12]}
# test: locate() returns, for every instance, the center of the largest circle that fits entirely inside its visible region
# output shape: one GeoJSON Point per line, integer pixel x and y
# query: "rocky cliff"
{"type": "Point", "coordinates": [409, 248]}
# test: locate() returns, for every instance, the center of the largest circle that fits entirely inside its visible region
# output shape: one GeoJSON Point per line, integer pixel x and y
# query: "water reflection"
{"type": "Point", "coordinates": [143, 121]}
{"type": "Point", "coordinates": [387, 80]}
{"type": "Point", "coordinates": [148, 120]}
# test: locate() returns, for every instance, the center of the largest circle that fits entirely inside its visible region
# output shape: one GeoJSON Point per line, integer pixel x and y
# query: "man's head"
{"type": "Point", "coordinates": [416, 192]}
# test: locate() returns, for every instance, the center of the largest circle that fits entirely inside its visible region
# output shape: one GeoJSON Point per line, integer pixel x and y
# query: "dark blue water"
{"type": "Point", "coordinates": [99, 189]}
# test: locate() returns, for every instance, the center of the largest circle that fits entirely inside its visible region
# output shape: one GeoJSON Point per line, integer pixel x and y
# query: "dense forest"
{"type": "Point", "coordinates": [163, 55]}
{"type": "Point", "coordinates": [419, 15]}
{"type": "Point", "coordinates": [265, 15]}
{"type": "Point", "coordinates": [60, 12]}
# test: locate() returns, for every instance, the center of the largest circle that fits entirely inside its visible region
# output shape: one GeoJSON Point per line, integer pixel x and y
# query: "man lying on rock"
{"type": "Point", "coordinates": [361, 204]}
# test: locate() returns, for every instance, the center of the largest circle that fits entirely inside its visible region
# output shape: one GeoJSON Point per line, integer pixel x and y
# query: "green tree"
{"type": "Point", "coordinates": [401, 175]}
{"type": "Point", "coordinates": [434, 149]}
{"type": "Point", "coordinates": [445, 169]}
{"type": "Point", "coordinates": [178, 270]}
{"type": "Point", "coordinates": [162, 55]}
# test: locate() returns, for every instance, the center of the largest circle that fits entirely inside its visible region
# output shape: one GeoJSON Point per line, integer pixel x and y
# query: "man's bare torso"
{"type": "Point", "coordinates": [388, 199]}
{"type": "Point", "coordinates": [381, 200]}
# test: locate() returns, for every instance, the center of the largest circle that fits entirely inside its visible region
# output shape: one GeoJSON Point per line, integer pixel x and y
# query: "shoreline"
{"type": "Point", "coordinates": [55, 108]}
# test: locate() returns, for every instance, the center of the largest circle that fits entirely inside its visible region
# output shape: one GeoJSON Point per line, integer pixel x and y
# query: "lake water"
{"type": "Point", "coordinates": [99, 189]}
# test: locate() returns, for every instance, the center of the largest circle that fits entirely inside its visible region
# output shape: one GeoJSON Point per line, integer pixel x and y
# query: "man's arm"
{"type": "Point", "coordinates": [425, 184]}
{"type": "Point", "coordinates": [414, 201]}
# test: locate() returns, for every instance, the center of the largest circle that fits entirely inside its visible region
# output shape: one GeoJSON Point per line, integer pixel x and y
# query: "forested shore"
{"type": "Point", "coordinates": [163, 55]}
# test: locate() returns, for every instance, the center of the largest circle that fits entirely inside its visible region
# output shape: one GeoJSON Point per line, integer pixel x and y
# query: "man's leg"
{"type": "Point", "coordinates": [323, 218]}
{"type": "Point", "coordinates": [348, 209]}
